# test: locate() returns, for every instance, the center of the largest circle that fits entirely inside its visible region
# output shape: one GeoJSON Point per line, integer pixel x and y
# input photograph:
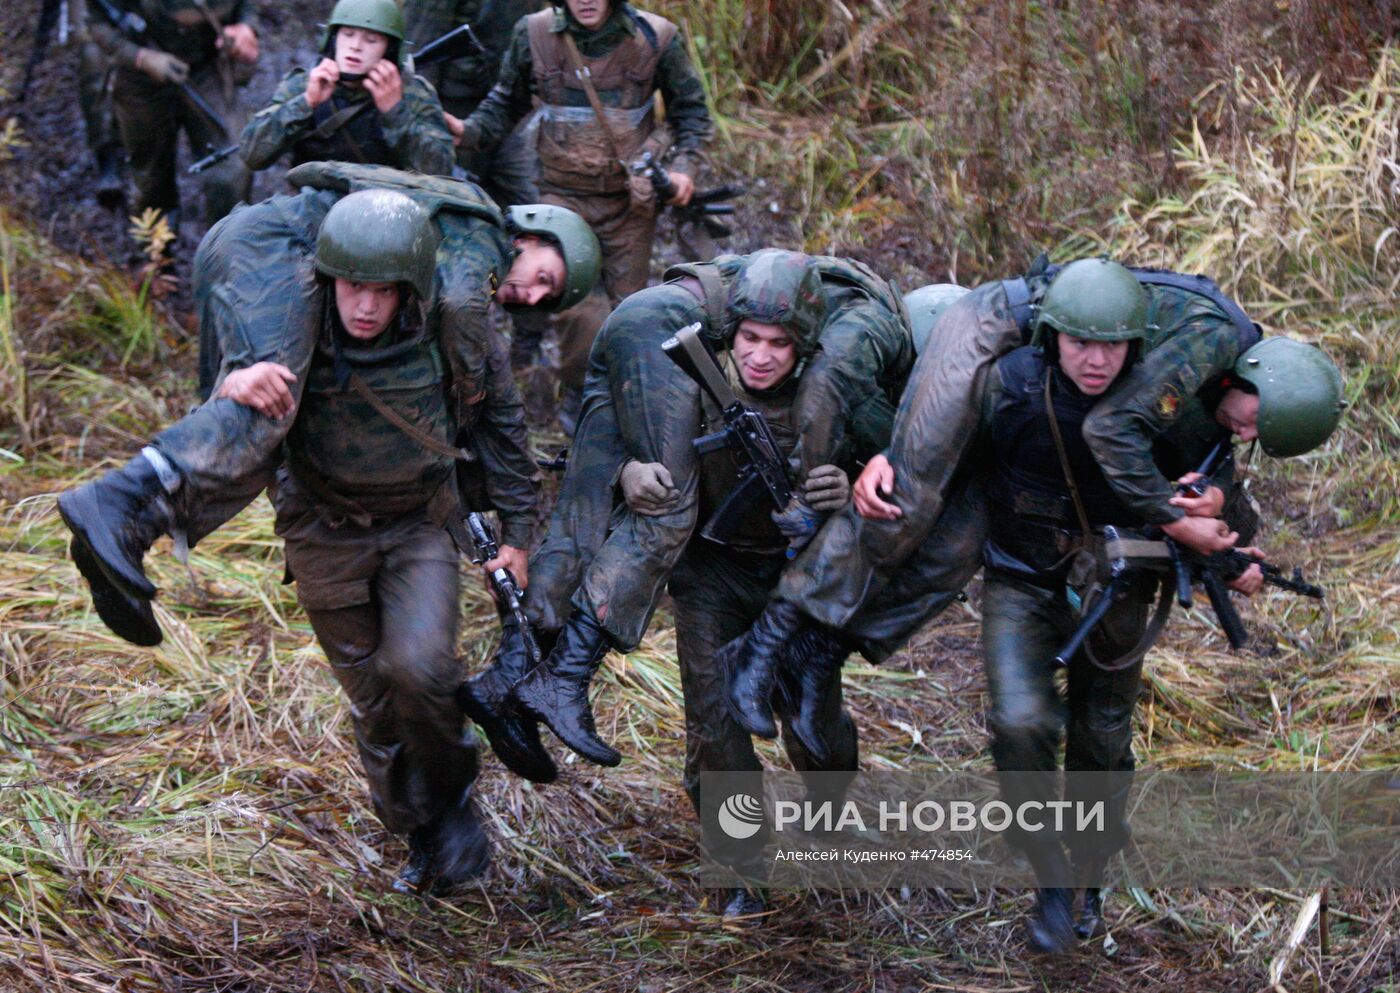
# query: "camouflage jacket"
{"type": "Point", "coordinates": [411, 136]}
{"type": "Point", "coordinates": [676, 80]}
{"type": "Point", "coordinates": [463, 83]}
{"type": "Point", "coordinates": [180, 27]}
{"type": "Point", "coordinates": [1191, 345]}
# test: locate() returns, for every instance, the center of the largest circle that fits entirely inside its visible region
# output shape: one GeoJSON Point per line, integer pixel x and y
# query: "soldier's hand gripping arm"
{"type": "Point", "coordinates": [648, 489]}
{"type": "Point", "coordinates": [826, 489]}
{"type": "Point", "coordinates": [264, 386]}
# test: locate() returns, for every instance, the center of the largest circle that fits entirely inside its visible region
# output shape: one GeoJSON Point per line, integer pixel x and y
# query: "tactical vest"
{"type": "Point", "coordinates": [1033, 522]}
{"type": "Point", "coordinates": [360, 139]}
{"type": "Point", "coordinates": [347, 454]}
{"type": "Point", "coordinates": [575, 153]}
{"type": "Point", "coordinates": [181, 28]}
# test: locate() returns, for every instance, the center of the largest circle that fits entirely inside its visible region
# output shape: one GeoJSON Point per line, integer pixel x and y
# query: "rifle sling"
{"type": "Point", "coordinates": [434, 445]}
{"type": "Point", "coordinates": [339, 119]}
{"type": "Point", "coordinates": [586, 79]}
{"type": "Point", "coordinates": [1064, 458]}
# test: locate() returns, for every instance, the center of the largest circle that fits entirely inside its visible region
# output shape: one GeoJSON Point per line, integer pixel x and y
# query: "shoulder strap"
{"type": "Point", "coordinates": [434, 445]}
{"type": "Point", "coordinates": [1064, 458]}
{"type": "Point", "coordinates": [584, 77]}
{"type": "Point", "coordinates": [331, 123]}
{"type": "Point", "coordinates": [1247, 330]}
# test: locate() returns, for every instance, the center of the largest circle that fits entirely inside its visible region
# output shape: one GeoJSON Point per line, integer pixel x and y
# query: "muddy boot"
{"type": "Point", "coordinates": [557, 691]}
{"type": "Point", "coordinates": [485, 698]}
{"type": "Point", "coordinates": [418, 869]}
{"type": "Point", "coordinates": [129, 617]}
{"type": "Point", "coordinates": [1050, 928]}
{"type": "Point", "coordinates": [461, 851]}
{"type": "Point", "coordinates": [111, 178]}
{"type": "Point", "coordinates": [741, 905]}
{"type": "Point", "coordinates": [750, 665]}
{"type": "Point", "coordinates": [1090, 921]}
{"type": "Point", "coordinates": [806, 669]}
{"type": "Point", "coordinates": [118, 517]}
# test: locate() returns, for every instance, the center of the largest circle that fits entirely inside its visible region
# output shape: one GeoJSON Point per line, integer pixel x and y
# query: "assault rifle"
{"type": "Point", "coordinates": [1127, 556]}
{"type": "Point", "coordinates": [133, 27]}
{"type": "Point", "coordinates": [508, 592]}
{"type": "Point", "coordinates": [458, 43]}
{"type": "Point", "coordinates": [705, 207]}
{"type": "Point", "coordinates": [763, 470]}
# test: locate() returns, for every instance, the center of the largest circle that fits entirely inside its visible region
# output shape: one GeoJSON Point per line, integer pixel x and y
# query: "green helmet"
{"type": "Point", "coordinates": [379, 236]}
{"type": "Point", "coordinates": [926, 305]}
{"type": "Point", "coordinates": [782, 288]}
{"type": "Point", "coordinates": [1094, 299]}
{"type": "Point", "coordinates": [1300, 394]}
{"type": "Point", "coordinates": [583, 256]}
{"type": "Point", "coordinates": [384, 16]}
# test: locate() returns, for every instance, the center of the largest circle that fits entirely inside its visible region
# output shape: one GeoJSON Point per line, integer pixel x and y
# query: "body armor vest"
{"type": "Point", "coordinates": [1033, 523]}
{"type": "Point", "coordinates": [346, 453]}
{"type": "Point", "coordinates": [575, 153]}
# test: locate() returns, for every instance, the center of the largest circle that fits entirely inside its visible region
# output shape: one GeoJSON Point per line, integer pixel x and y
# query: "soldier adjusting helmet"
{"type": "Point", "coordinates": [1300, 394]}
{"type": "Point", "coordinates": [1096, 299]}
{"type": "Point", "coordinates": [383, 16]}
{"type": "Point", "coordinates": [926, 305]}
{"type": "Point", "coordinates": [583, 257]}
{"type": "Point", "coordinates": [782, 288]}
{"type": "Point", "coordinates": [379, 236]}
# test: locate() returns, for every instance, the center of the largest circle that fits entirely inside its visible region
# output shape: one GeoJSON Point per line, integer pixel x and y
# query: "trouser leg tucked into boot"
{"type": "Point", "coordinates": [114, 521]}
{"type": "Point", "coordinates": [557, 691]}
{"type": "Point", "coordinates": [751, 666]}
{"type": "Point", "coordinates": [807, 668]}
{"type": "Point", "coordinates": [486, 699]}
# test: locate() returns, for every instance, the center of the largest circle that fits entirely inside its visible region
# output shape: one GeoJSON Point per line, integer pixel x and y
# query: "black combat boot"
{"type": "Point", "coordinates": [118, 517]}
{"type": "Point", "coordinates": [557, 691]}
{"type": "Point", "coordinates": [111, 180]}
{"type": "Point", "coordinates": [485, 698]}
{"type": "Point", "coordinates": [1090, 921]}
{"type": "Point", "coordinates": [1050, 928]}
{"type": "Point", "coordinates": [750, 665]}
{"type": "Point", "coordinates": [417, 871]}
{"type": "Point", "coordinates": [461, 851]}
{"type": "Point", "coordinates": [806, 669]}
{"type": "Point", "coordinates": [128, 616]}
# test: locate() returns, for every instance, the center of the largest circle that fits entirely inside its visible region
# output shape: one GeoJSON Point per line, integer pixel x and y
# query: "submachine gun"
{"type": "Point", "coordinates": [1126, 555]}
{"type": "Point", "coordinates": [508, 592]}
{"type": "Point", "coordinates": [704, 211]}
{"type": "Point", "coordinates": [458, 43]}
{"type": "Point", "coordinates": [133, 27]}
{"type": "Point", "coordinates": [763, 470]}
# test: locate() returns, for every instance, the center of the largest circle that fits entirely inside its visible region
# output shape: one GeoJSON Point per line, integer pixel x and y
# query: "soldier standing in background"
{"type": "Point", "coordinates": [597, 66]}
{"type": "Point", "coordinates": [213, 47]}
{"type": "Point", "coordinates": [357, 105]}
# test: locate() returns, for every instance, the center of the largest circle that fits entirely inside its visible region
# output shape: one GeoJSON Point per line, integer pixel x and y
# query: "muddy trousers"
{"type": "Point", "coordinates": [152, 116]}
{"type": "Point", "coordinates": [625, 234]}
{"type": "Point", "coordinates": [718, 595]}
{"type": "Point", "coordinates": [1023, 626]}
{"type": "Point", "coordinates": [383, 601]}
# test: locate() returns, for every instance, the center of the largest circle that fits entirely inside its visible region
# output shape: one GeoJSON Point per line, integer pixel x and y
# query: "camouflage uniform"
{"type": "Point", "coordinates": [878, 582]}
{"type": "Point", "coordinates": [640, 405]}
{"type": "Point", "coordinates": [152, 114]}
{"type": "Point", "coordinates": [226, 452]}
{"type": "Point", "coordinates": [411, 136]}
{"type": "Point", "coordinates": [631, 57]}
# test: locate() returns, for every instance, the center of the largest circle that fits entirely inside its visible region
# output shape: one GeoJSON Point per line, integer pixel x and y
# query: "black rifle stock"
{"type": "Point", "coordinates": [508, 592]}
{"type": "Point", "coordinates": [458, 43]}
{"type": "Point", "coordinates": [763, 470]}
{"type": "Point", "coordinates": [704, 206]}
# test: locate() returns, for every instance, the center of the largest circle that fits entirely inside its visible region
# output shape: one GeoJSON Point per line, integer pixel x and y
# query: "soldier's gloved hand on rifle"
{"type": "Point", "coordinates": [685, 188]}
{"type": "Point", "coordinates": [162, 66]}
{"type": "Point", "coordinates": [648, 488]}
{"type": "Point", "coordinates": [826, 489]}
{"type": "Point", "coordinates": [1209, 504]}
